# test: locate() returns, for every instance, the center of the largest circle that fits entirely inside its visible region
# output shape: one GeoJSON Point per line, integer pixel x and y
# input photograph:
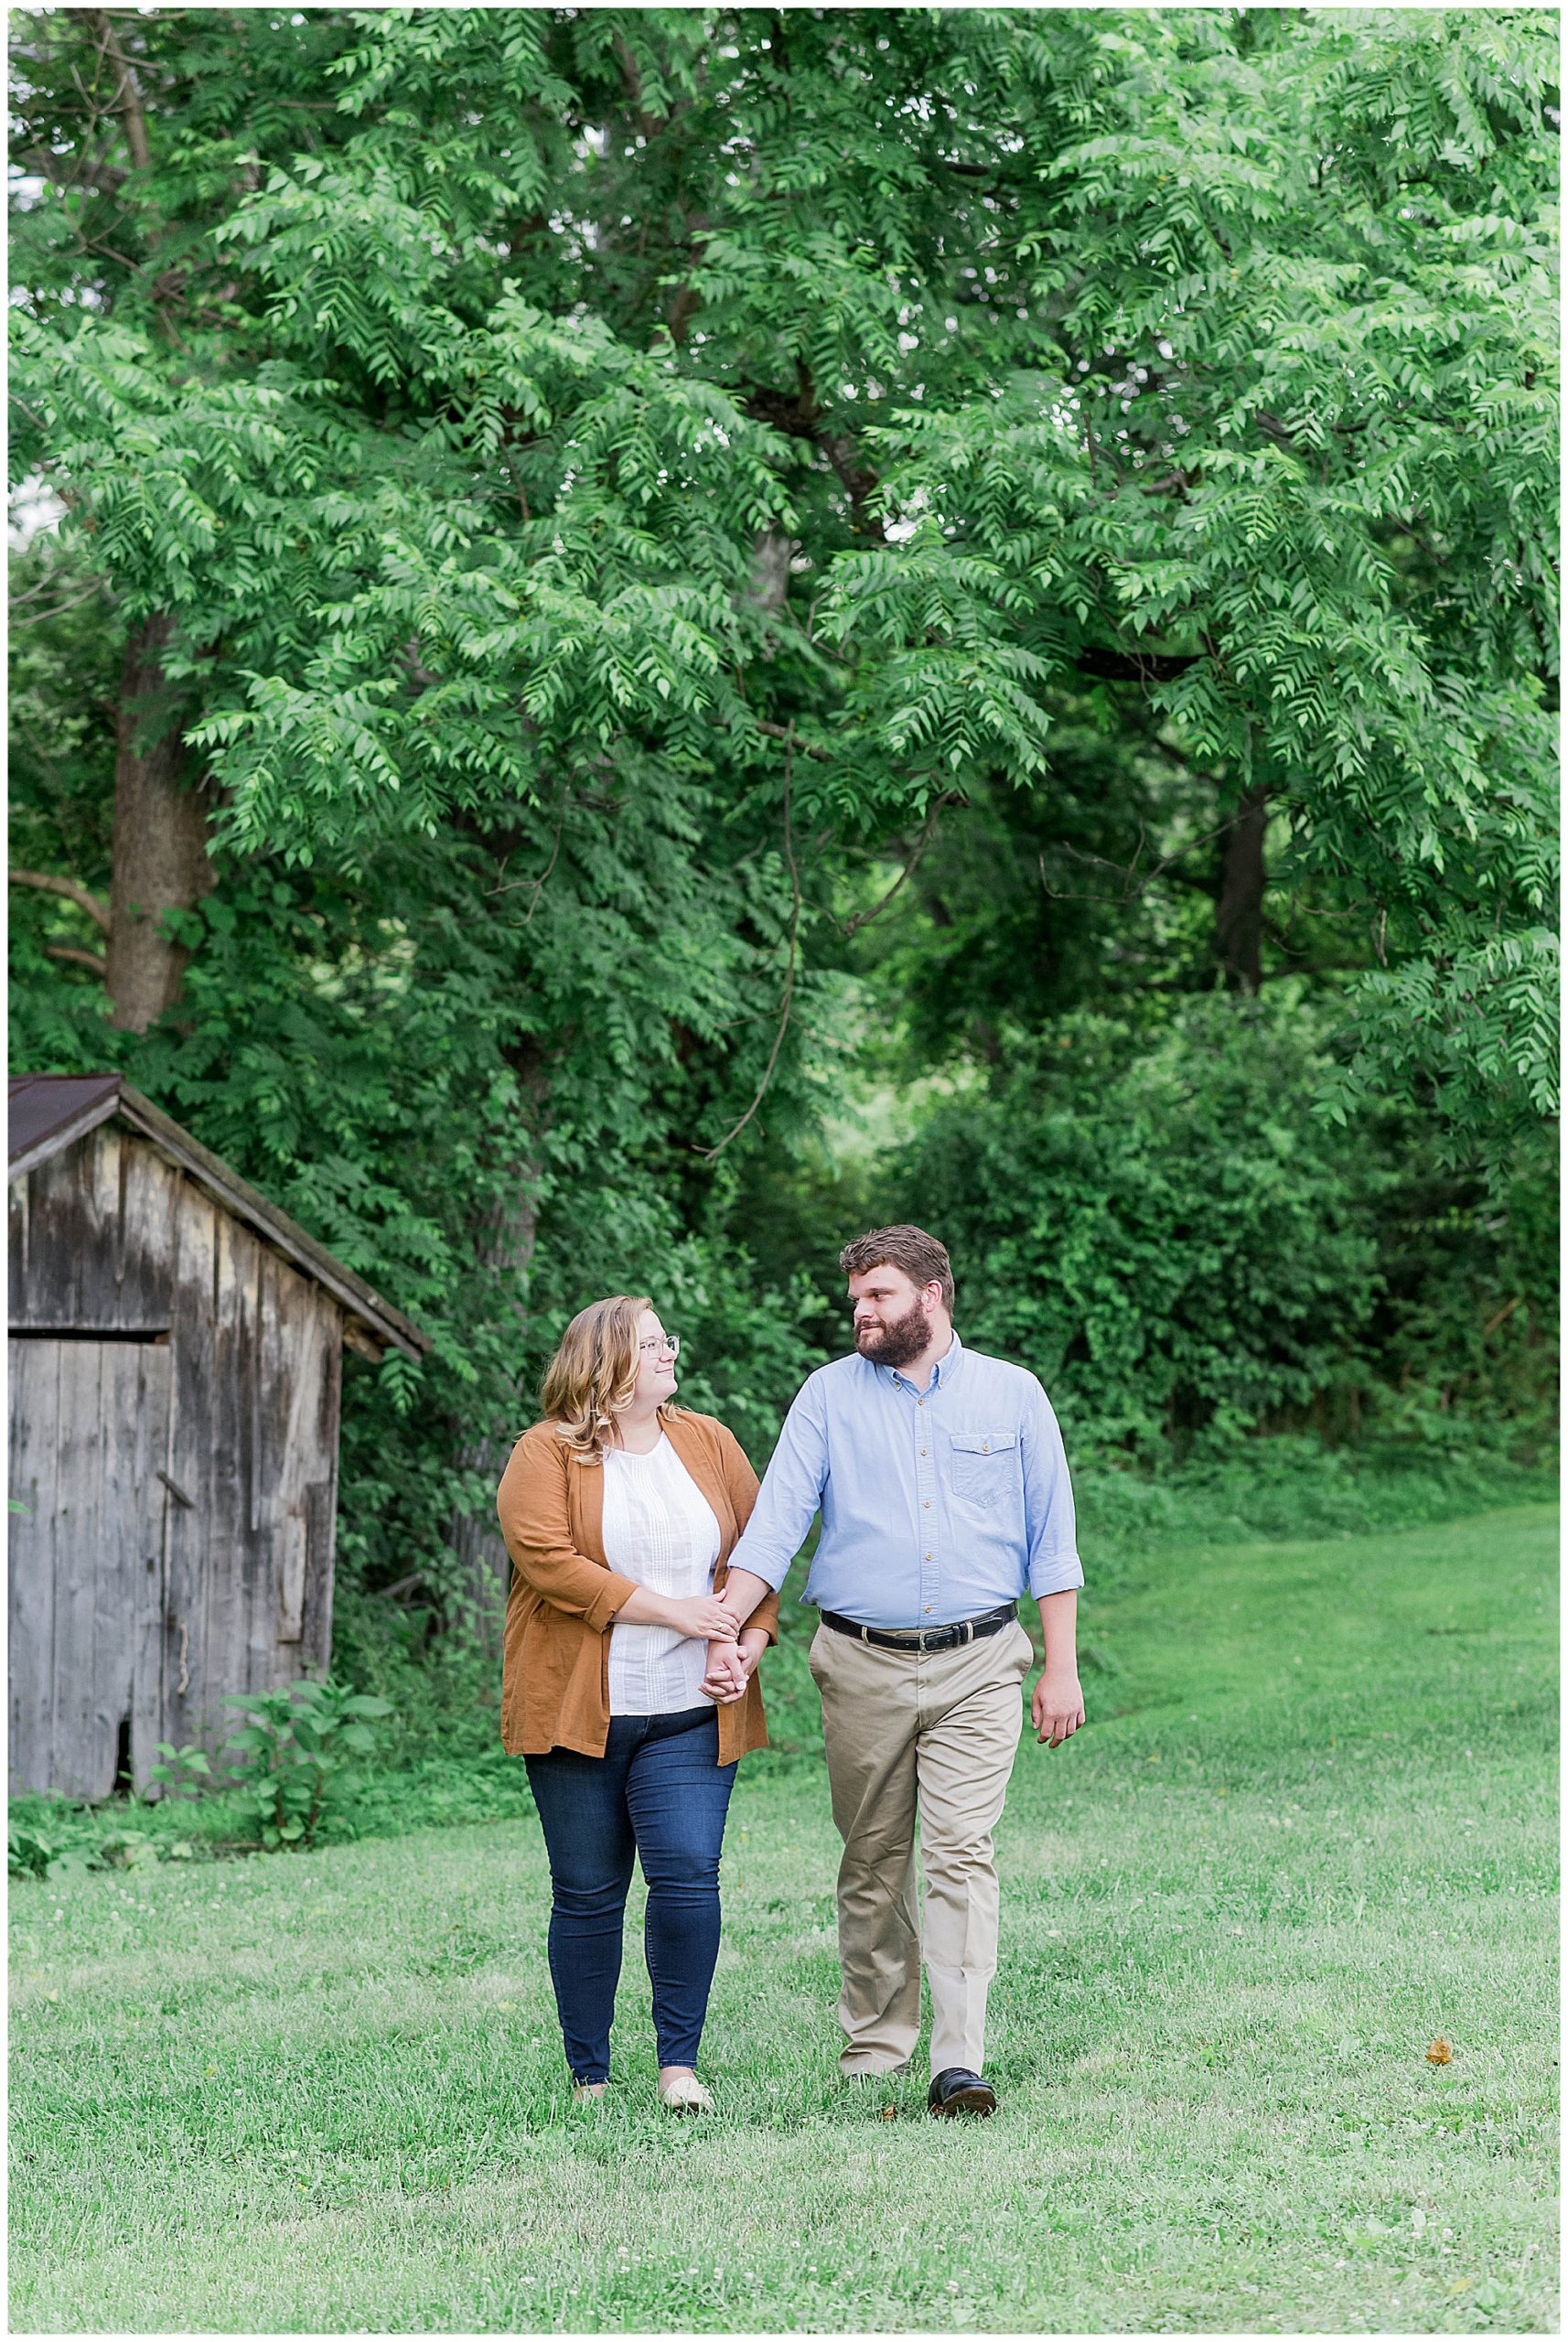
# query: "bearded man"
{"type": "Point", "coordinates": [944, 1497]}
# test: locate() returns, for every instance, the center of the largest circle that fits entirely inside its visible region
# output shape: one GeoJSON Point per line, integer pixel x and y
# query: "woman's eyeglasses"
{"type": "Point", "coordinates": [670, 1342]}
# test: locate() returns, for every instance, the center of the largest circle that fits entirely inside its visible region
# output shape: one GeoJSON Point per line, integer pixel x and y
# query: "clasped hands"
{"type": "Point", "coordinates": [732, 1657]}
{"type": "Point", "coordinates": [730, 1665]}
{"type": "Point", "coordinates": [733, 1652]}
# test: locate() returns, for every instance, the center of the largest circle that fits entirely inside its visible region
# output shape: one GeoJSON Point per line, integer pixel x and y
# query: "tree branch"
{"type": "Point", "coordinates": [127, 97]}
{"type": "Point", "coordinates": [784, 732]}
{"type": "Point", "coordinates": [1135, 886]}
{"type": "Point", "coordinates": [69, 887]}
{"type": "Point", "coordinates": [44, 618]}
{"type": "Point", "coordinates": [99, 966]}
{"type": "Point", "coordinates": [1134, 666]}
{"type": "Point", "coordinates": [927, 831]}
{"type": "Point", "coordinates": [69, 170]}
{"type": "Point", "coordinates": [399, 1585]}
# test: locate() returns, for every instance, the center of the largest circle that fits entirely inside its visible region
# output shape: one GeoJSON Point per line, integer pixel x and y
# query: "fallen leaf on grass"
{"type": "Point", "coordinates": [890, 2114]}
{"type": "Point", "coordinates": [1439, 2053]}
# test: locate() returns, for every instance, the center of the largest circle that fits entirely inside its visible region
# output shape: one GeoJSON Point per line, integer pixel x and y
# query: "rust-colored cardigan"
{"type": "Point", "coordinates": [564, 1596]}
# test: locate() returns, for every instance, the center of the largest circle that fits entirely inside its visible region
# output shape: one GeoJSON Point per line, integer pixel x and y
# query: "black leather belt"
{"type": "Point", "coordinates": [962, 1630]}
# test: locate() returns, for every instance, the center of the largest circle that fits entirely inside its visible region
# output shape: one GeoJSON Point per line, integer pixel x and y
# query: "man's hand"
{"type": "Point", "coordinates": [724, 1679]}
{"type": "Point", "coordinates": [1056, 1708]}
{"type": "Point", "coordinates": [730, 1666]}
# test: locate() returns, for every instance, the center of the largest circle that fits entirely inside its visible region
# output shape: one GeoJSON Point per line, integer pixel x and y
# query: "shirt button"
{"type": "Point", "coordinates": [928, 1557]}
{"type": "Point", "coordinates": [927, 1609]}
{"type": "Point", "coordinates": [922, 1451]}
{"type": "Point", "coordinates": [928, 1504]}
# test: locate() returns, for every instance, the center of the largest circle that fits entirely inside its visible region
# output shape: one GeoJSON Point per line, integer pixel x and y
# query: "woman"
{"type": "Point", "coordinates": [625, 1689]}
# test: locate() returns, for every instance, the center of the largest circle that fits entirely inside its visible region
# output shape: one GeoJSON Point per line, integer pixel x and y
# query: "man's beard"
{"type": "Point", "coordinates": [898, 1344]}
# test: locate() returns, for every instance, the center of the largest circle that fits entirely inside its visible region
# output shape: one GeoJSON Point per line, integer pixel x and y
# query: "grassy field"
{"type": "Point", "coordinates": [1309, 1828]}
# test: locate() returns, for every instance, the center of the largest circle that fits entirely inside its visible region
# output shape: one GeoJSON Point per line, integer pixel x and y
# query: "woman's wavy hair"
{"type": "Point", "coordinates": [594, 1373]}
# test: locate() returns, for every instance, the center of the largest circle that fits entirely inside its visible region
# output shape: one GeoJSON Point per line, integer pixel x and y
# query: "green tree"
{"type": "Point", "coordinates": [564, 487]}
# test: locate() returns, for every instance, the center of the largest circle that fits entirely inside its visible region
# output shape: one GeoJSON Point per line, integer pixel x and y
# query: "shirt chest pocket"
{"type": "Point", "coordinates": [984, 1467]}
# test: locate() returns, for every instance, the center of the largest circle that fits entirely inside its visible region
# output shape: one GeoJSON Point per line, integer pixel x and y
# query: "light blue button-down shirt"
{"type": "Point", "coordinates": [936, 1504]}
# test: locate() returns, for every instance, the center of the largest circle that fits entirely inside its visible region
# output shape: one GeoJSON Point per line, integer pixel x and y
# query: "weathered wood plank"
{"type": "Point", "coordinates": [321, 1510]}
{"type": "Point", "coordinates": [34, 1433]}
{"type": "Point", "coordinates": [133, 1385]}
{"type": "Point", "coordinates": [56, 1229]}
{"type": "Point", "coordinates": [153, 1198]}
{"type": "Point", "coordinates": [259, 1364]}
{"type": "Point", "coordinates": [79, 1764]}
{"type": "Point", "coordinates": [226, 1648]}
{"type": "Point", "coordinates": [315, 1627]}
{"type": "Point", "coordinates": [112, 1559]}
{"type": "Point", "coordinates": [19, 1238]}
{"type": "Point", "coordinates": [191, 1708]}
{"type": "Point", "coordinates": [301, 1341]}
{"type": "Point", "coordinates": [293, 1537]}
{"type": "Point", "coordinates": [91, 1238]}
{"type": "Point", "coordinates": [147, 1561]}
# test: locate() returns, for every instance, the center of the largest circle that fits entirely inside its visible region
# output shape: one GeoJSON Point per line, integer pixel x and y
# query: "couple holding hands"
{"type": "Point", "coordinates": [646, 1569]}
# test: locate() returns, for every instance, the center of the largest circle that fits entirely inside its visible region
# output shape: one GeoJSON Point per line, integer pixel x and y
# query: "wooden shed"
{"type": "Point", "coordinates": [176, 1357]}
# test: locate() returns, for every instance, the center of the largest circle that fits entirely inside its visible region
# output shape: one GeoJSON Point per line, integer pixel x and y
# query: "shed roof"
{"type": "Point", "coordinates": [48, 1111]}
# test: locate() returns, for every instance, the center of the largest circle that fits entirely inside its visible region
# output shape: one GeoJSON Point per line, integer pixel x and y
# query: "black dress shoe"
{"type": "Point", "coordinates": [956, 2090]}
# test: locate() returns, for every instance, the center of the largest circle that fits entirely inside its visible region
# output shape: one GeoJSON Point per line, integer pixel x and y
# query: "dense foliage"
{"type": "Point", "coordinates": [1182, 1245]}
{"type": "Point", "coordinates": [713, 566]}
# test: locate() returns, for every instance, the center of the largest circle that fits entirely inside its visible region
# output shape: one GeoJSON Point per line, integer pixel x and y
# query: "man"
{"type": "Point", "coordinates": [944, 1497]}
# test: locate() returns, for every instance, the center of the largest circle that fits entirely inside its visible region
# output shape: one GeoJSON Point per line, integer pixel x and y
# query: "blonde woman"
{"type": "Point", "coordinates": [625, 1687]}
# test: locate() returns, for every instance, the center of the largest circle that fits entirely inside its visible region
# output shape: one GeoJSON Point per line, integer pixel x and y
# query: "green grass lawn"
{"type": "Point", "coordinates": [1309, 1827]}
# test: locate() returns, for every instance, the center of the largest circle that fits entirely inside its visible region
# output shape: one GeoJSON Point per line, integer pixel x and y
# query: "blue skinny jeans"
{"type": "Point", "coordinates": [659, 1793]}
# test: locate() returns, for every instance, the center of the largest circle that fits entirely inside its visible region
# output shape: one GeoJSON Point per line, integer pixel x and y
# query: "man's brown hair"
{"type": "Point", "coordinates": [921, 1258]}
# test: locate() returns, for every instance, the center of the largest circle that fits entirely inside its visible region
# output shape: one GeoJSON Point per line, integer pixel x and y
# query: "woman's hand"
{"type": "Point", "coordinates": [702, 1616]}
{"type": "Point", "coordinates": [724, 1679]}
{"type": "Point", "coordinates": [731, 1665]}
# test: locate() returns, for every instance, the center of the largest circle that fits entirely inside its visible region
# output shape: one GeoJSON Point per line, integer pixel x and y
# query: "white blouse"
{"type": "Point", "coordinates": [660, 1530]}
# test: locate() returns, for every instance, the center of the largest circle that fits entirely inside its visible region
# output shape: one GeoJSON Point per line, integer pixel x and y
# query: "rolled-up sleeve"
{"type": "Point", "coordinates": [790, 1492]}
{"type": "Point", "coordinates": [740, 1481]}
{"type": "Point", "coordinates": [536, 1522]}
{"type": "Point", "coordinates": [1050, 1524]}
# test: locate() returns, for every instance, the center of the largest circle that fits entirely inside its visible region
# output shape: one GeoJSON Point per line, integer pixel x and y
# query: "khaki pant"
{"type": "Point", "coordinates": [935, 1732]}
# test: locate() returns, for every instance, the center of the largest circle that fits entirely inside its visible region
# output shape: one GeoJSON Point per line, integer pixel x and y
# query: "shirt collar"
{"type": "Point", "coordinates": [943, 1371]}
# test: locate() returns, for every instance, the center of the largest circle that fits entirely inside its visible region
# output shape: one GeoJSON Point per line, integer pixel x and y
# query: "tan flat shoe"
{"type": "Point", "coordinates": [684, 2094]}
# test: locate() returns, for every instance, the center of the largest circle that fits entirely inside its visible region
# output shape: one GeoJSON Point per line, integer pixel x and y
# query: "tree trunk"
{"type": "Point", "coordinates": [161, 863]}
{"type": "Point", "coordinates": [1239, 914]}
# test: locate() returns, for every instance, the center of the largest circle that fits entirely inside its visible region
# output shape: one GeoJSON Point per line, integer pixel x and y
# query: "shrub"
{"type": "Point", "coordinates": [1161, 1227]}
{"type": "Point", "coordinates": [299, 1752]}
{"type": "Point", "coordinates": [27, 1853]}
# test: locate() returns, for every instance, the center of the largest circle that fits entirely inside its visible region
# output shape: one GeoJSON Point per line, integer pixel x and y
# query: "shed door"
{"type": "Point", "coordinates": [88, 1429]}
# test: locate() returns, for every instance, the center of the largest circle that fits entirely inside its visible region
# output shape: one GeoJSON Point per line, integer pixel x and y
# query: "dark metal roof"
{"type": "Point", "coordinates": [48, 1111]}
